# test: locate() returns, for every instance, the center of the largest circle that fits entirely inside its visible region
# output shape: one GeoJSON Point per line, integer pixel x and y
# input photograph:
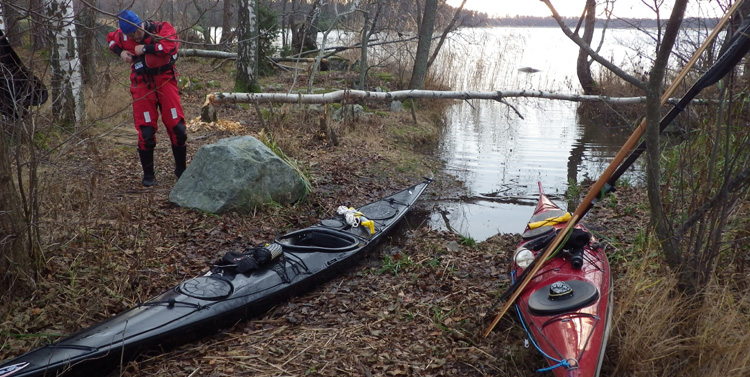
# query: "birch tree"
{"type": "Point", "coordinates": [67, 96]}
{"type": "Point", "coordinates": [247, 48]}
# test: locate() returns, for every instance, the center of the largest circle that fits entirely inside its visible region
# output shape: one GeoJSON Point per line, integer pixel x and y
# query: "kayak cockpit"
{"type": "Point", "coordinates": [318, 239]}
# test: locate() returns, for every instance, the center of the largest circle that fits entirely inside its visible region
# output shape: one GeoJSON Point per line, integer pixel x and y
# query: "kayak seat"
{"type": "Point", "coordinates": [562, 297]}
{"type": "Point", "coordinates": [318, 239]}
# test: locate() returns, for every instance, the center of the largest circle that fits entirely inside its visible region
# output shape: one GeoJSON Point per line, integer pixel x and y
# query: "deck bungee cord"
{"type": "Point", "coordinates": [560, 362]}
{"type": "Point", "coordinates": [738, 48]}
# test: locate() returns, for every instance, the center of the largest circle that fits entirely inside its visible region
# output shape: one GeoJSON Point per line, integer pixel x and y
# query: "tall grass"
{"type": "Point", "coordinates": [660, 332]}
{"type": "Point", "coordinates": [487, 62]}
{"type": "Point", "coordinates": [268, 139]}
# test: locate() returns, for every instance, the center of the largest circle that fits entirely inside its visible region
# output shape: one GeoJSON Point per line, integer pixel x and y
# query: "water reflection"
{"type": "Point", "coordinates": [499, 152]}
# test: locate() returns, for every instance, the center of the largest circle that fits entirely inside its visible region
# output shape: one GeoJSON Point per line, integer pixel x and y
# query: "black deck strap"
{"type": "Point", "coordinates": [541, 242]}
{"type": "Point", "coordinates": [297, 265]}
{"type": "Point", "coordinates": [578, 239]}
{"type": "Point", "coordinates": [253, 258]}
{"type": "Point", "coordinates": [280, 269]}
{"type": "Point", "coordinates": [243, 262]}
{"type": "Point", "coordinates": [538, 232]}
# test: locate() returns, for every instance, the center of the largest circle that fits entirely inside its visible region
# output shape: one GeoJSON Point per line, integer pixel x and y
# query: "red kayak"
{"type": "Point", "coordinates": [566, 308]}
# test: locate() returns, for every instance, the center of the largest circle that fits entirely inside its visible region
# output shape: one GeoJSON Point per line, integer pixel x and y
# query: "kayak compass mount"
{"type": "Point", "coordinates": [560, 290]}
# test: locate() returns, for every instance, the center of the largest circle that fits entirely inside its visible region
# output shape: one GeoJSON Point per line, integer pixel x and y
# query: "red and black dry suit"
{"type": "Point", "coordinates": [153, 85]}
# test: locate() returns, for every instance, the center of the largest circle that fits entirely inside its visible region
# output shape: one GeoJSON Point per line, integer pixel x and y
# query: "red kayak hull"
{"type": "Point", "coordinates": [572, 339]}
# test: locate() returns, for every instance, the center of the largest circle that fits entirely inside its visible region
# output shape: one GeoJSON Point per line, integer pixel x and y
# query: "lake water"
{"type": "Point", "coordinates": [500, 156]}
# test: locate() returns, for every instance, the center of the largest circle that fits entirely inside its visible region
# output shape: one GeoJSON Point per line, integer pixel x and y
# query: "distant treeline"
{"type": "Point", "coordinates": [395, 15]}
{"type": "Point", "coordinates": [620, 23]}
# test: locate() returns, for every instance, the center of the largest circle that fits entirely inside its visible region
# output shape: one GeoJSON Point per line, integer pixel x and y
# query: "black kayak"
{"type": "Point", "coordinates": [240, 285]}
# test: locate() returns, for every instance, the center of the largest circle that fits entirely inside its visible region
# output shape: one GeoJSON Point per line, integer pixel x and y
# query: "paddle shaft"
{"type": "Point", "coordinates": [599, 184]}
{"type": "Point", "coordinates": [723, 65]}
{"type": "Point", "coordinates": [636, 136]}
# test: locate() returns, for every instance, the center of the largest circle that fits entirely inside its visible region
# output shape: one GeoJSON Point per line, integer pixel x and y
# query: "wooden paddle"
{"type": "Point", "coordinates": [616, 161]}
{"type": "Point", "coordinates": [738, 48]}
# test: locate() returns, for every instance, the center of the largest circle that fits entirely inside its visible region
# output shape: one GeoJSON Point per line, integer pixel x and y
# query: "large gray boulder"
{"type": "Point", "coordinates": [236, 174]}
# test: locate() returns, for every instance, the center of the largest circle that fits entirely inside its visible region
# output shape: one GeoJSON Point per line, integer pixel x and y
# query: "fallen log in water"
{"type": "Point", "coordinates": [348, 95]}
{"type": "Point", "coordinates": [345, 95]}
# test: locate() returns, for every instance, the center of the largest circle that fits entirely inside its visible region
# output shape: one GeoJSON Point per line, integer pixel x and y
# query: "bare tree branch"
{"type": "Point", "coordinates": [599, 59]}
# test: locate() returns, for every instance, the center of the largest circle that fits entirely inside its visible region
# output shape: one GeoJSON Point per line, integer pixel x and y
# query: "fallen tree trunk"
{"type": "Point", "coordinates": [208, 113]}
{"type": "Point", "coordinates": [214, 54]}
{"type": "Point", "coordinates": [346, 95]}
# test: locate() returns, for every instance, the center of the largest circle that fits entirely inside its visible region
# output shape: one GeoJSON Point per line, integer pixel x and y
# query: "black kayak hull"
{"type": "Point", "coordinates": [218, 299]}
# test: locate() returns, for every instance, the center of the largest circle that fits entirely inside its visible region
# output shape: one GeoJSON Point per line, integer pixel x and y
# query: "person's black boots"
{"type": "Point", "coordinates": [180, 159]}
{"type": "Point", "coordinates": [147, 162]}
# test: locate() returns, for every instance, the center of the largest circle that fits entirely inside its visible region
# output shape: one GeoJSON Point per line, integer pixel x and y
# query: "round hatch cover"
{"type": "Point", "coordinates": [206, 288]}
{"type": "Point", "coordinates": [378, 211]}
{"type": "Point", "coordinates": [562, 296]}
{"type": "Point", "coordinates": [332, 223]}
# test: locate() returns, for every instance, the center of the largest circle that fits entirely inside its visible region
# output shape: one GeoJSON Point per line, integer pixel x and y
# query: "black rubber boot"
{"type": "Point", "coordinates": [180, 160]}
{"type": "Point", "coordinates": [147, 162]}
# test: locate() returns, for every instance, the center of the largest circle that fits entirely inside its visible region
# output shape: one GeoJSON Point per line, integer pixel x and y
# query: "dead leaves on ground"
{"type": "Point", "coordinates": [424, 320]}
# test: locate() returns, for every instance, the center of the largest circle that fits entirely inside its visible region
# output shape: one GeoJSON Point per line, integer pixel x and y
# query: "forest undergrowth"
{"type": "Point", "coordinates": [417, 305]}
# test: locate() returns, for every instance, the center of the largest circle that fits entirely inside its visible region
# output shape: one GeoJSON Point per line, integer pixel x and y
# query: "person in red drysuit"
{"type": "Point", "coordinates": [151, 48]}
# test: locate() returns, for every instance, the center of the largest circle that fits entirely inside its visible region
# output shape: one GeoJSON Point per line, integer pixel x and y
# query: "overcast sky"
{"type": "Point", "coordinates": [574, 8]}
